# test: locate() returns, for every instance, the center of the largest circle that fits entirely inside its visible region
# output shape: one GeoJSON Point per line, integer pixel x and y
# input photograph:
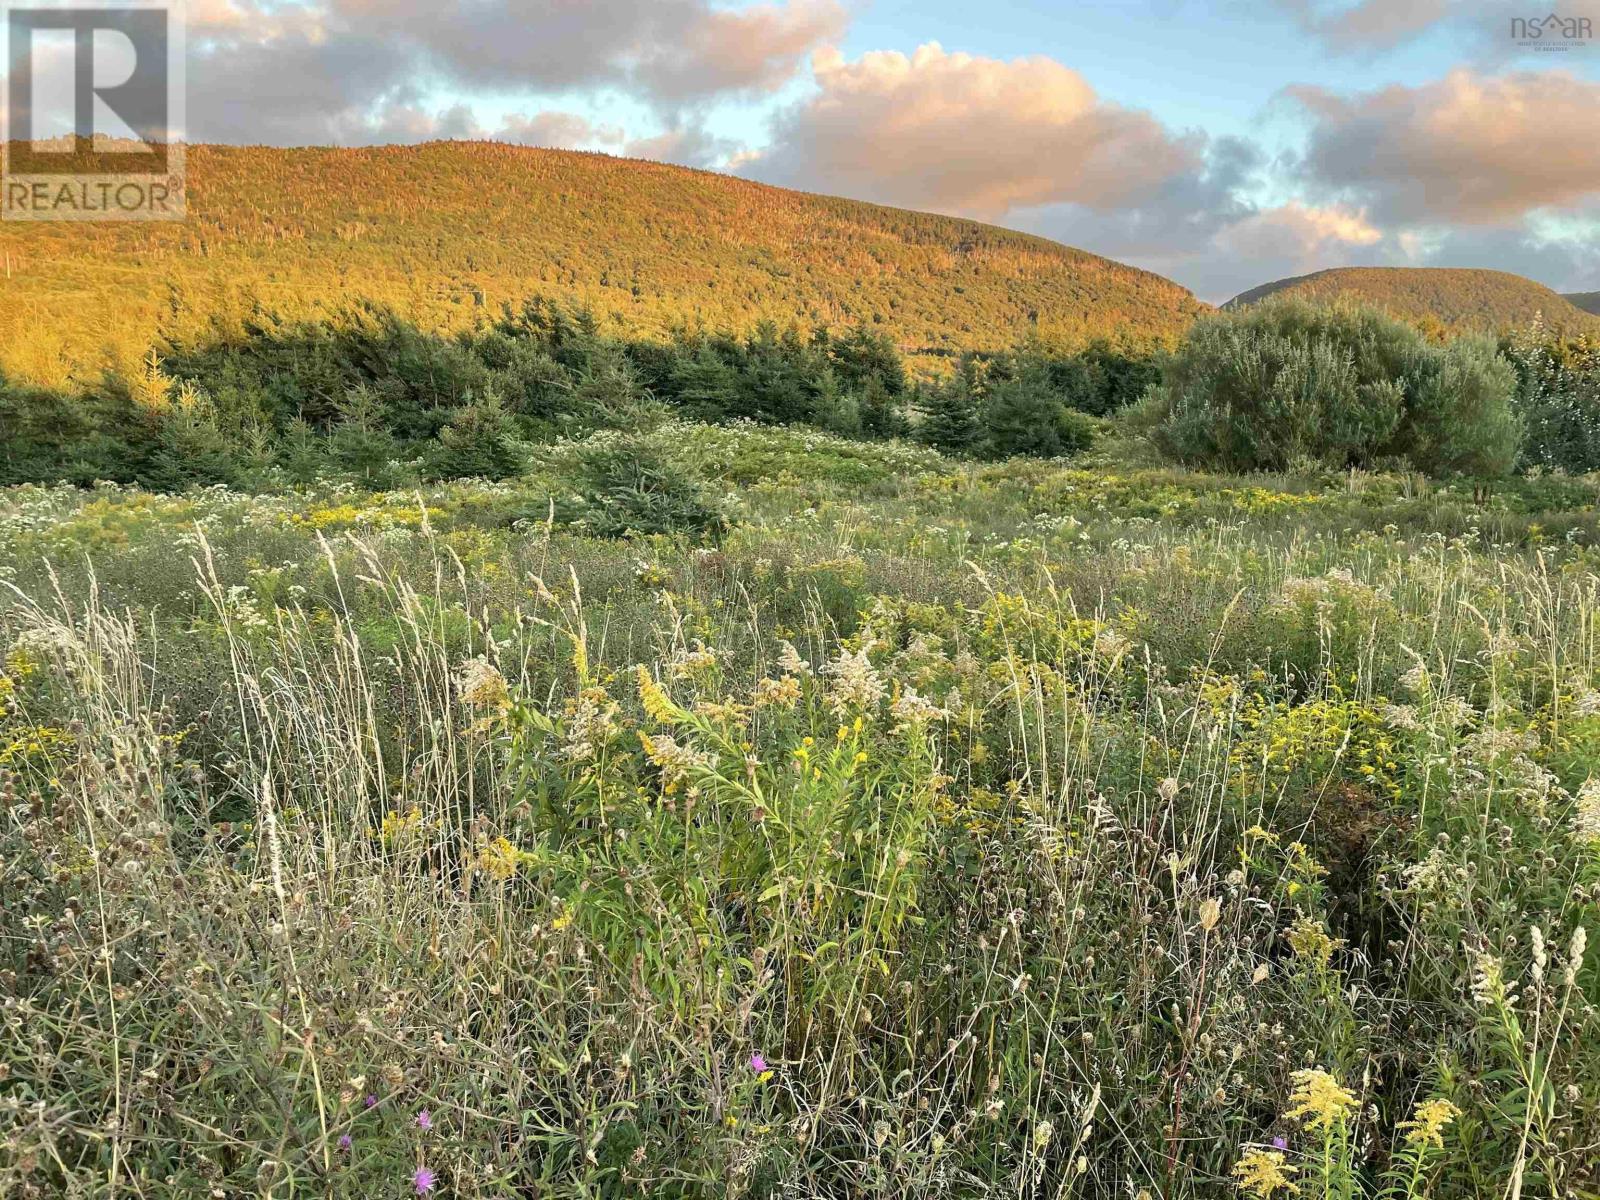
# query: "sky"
{"type": "Point", "coordinates": [1220, 144]}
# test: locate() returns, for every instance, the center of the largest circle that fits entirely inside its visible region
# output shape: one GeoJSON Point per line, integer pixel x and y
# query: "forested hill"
{"type": "Point", "coordinates": [1588, 301]}
{"type": "Point", "coordinates": [442, 231]}
{"type": "Point", "coordinates": [1457, 299]}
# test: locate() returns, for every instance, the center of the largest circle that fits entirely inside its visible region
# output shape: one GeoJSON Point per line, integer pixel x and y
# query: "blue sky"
{"type": "Point", "coordinates": [1217, 66]}
{"type": "Point", "coordinates": [1220, 144]}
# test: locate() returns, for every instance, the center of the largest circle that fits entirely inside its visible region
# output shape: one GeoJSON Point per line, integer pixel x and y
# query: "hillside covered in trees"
{"type": "Point", "coordinates": [444, 234]}
{"type": "Point", "coordinates": [1445, 298]}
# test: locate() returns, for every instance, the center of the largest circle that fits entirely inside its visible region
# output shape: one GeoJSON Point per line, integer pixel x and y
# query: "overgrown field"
{"type": "Point", "coordinates": [884, 826]}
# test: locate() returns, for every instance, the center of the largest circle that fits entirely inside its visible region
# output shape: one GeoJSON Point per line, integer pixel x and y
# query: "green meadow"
{"type": "Point", "coordinates": [749, 811]}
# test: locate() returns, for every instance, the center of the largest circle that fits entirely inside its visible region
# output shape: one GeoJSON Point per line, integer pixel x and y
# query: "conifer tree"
{"type": "Point", "coordinates": [880, 411]}
{"type": "Point", "coordinates": [950, 419]}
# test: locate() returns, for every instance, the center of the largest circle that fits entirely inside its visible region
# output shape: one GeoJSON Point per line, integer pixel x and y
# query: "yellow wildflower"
{"type": "Point", "coordinates": [1427, 1124]}
{"type": "Point", "coordinates": [399, 825]}
{"type": "Point", "coordinates": [1319, 1100]}
{"type": "Point", "coordinates": [499, 859]}
{"type": "Point", "coordinates": [1309, 940]}
{"type": "Point", "coordinates": [658, 706]}
{"type": "Point", "coordinates": [1261, 1173]}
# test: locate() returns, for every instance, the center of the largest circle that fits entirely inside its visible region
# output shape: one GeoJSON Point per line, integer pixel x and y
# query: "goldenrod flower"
{"type": "Point", "coordinates": [1427, 1124]}
{"type": "Point", "coordinates": [1309, 940]}
{"type": "Point", "coordinates": [1261, 1173]}
{"type": "Point", "coordinates": [499, 859]}
{"type": "Point", "coordinates": [658, 706]}
{"type": "Point", "coordinates": [398, 825]}
{"type": "Point", "coordinates": [1319, 1100]}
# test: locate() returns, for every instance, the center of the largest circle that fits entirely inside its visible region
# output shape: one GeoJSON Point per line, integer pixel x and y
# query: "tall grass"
{"type": "Point", "coordinates": [983, 835]}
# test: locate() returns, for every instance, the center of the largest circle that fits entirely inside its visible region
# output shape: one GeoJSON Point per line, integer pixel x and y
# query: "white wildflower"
{"type": "Point", "coordinates": [914, 711]}
{"type": "Point", "coordinates": [1488, 980]}
{"type": "Point", "coordinates": [1111, 645]}
{"type": "Point", "coordinates": [480, 685]}
{"type": "Point", "coordinates": [1575, 949]}
{"type": "Point", "coordinates": [1586, 814]}
{"type": "Point", "coordinates": [1402, 716]}
{"type": "Point", "coordinates": [856, 684]}
{"type": "Point", "coordinates": [591, 723]}
{"type": "Point", "coordinates": [1415, 680]}
{"type": "Point", "coordinates": [1429, 877]}
{"type": "Point", "coordinates": [674, 761]}
{"type": "Point", "coordinates": [790, 662]}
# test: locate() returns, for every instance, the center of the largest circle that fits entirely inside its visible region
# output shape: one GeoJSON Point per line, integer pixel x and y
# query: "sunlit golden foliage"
{"type": "Point", "coordinates": [1441, 300]}
{"type": "Point", "coordinates": [446, 232]}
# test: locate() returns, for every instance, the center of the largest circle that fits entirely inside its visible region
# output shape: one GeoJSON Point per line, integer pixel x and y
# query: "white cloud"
{"type": "Point", "coordinates": [345, 70]}
{"type": "Point", "coordinates": [1467, 148]}
{"type": "Point", "coordinates": [961, 133]}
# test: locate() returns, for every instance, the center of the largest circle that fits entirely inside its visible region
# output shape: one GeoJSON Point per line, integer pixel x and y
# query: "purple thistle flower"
{"type": "Point", "coordinates": [345, 1141]}
{"type": "Point", "coordinates": [371, 1101]}
{"type": "Point", "coordinates": [424, 1180]}
{"type": "Point", "coordinates": [424, 1120]}
{"type": "Point", "coordinates": [1281, 1142]}
{"type": "Point", "coordinates": [757, 1063]}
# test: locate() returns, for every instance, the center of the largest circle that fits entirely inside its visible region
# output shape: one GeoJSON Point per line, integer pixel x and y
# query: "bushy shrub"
{"type": "Point", "coordinates": [480, 442]}
{"type": "Point", "coordinates": [1005, 406]}
{"type": "Point", "coordinates": [361, 446]}
{"type": "Point", "coordinates": [849, 384]}
{"type": "Point", "coordinates": [1558, 398]}
{"type": "Point", "coordinates": [1025, 415]}
{"type": "Point", "coordinates": [881, 414]}
{"type": "Point", "coordinates": [622, 486]}
{"type": "Point", "coordinates": [1461, 420]}
{"type": "Point", "coordinates": [835, 409]}
{"type": "Point", "coordinates": [200, 441]}
{"type": "Point", "coordinates": [1289, 382]}
{"type": "Point", "coordinates": [1103, 379]}
{"type": "Point", "coordinates": [99, 433]}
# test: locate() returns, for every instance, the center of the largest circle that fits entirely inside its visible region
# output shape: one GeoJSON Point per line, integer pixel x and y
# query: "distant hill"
{"type": "Point", "coordinates": [1457, 298]}
{"type": "Point", "coordinates": [1588, 301]}
{"type": "Point", "coordinates": [446, 232]}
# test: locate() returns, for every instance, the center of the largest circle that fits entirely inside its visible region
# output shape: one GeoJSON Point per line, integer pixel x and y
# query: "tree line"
{"type": "Point", "coordinates": [370, 397]}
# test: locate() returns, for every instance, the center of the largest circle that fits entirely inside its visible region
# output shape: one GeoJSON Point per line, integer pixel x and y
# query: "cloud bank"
{"type": "Point", "coordinates": [967, 134]}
